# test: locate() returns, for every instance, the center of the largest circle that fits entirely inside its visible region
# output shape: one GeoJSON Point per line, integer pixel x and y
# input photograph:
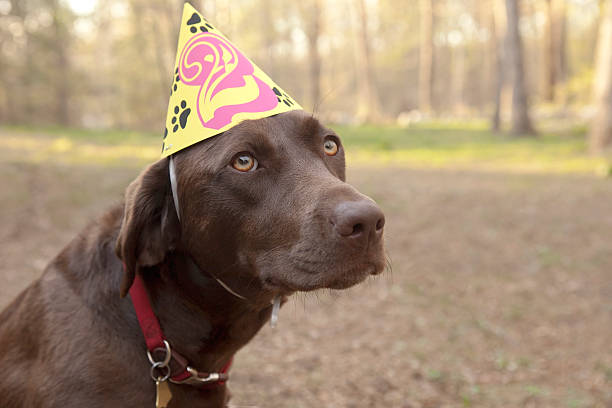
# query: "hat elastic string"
{"type": "Point", "coordinates": [173, 187]}
{"type": "Point", "coordinates": [172, 172]}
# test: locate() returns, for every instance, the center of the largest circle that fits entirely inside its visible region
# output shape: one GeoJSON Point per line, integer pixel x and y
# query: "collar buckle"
{"type": "Point", "coordinates": [160, 370]}
{"type": "Point", "coordinates": [196, 378]}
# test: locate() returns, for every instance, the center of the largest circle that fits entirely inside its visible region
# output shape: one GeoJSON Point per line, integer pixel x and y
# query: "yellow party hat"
{"type": "Point", "coordinates": [215, 86]}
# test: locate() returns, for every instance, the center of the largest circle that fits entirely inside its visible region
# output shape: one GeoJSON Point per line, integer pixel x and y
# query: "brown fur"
{"type": "Point", "coordinates": [71, 340]}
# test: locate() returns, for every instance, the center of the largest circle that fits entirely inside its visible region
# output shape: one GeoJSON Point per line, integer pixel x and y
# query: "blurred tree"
{"type": "Point", "coordinates": [561, 52]}
{"type": "Point", "coordinates": [310, 12]}
{"type": "Point", "coordinates": [60, 44]}
{"type": "Point", "coordinates": [268, 29]}
{"type": "Point", "coordinates": [397, 56]}
{"type": "Point", "coordinates": [554, 53]}
{"type": "Point", "coordinates": [169, 8]}
{"type": "Point", "coordinates": [35, 57]}
{"type": "Point", "coordinates": [111, 67]}
{"type": "Point", "coordinates": [600, 136]}
{"type": "Point", "coordinates": [151, 12]}
{"type": "Point", "coordinates": [19, 83]}
{"type": "Point", "coordinates": [485, 50]}
{"type": "Point", "coordinates": [521, 122]}
{"type": "Point", "coordinates": [368, 108]}
{"type": "Point", "coordinates": [426, 55]}
{"type": "Point", "coordinates": [498, 41]}
{"type": "Point", "coordinates": [549, 63]}
{"type": "Point", "coordinates": [4, 70]}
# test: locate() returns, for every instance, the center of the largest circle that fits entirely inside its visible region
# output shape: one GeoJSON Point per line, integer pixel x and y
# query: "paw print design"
{"type": "Point", "coordinates": [176, 81]}
{"type": "Point", "coordinates": [164, 140]}
{"type": "Point", "coordinates": [181, 117]}
{"type": "Point", "coordinates": [194, 21]}
{"type": "Point", "coordinates": [283, 97]}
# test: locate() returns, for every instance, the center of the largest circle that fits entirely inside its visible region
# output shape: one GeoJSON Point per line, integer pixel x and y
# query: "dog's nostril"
{"type": "Point", "coordinates": [357, 229]}
{"type": "Point", "coordinates": [360, 220]}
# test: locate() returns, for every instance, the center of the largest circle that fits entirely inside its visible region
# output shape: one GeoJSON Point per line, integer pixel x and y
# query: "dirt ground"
{"type": "Point", "coordinates": [500, 294]}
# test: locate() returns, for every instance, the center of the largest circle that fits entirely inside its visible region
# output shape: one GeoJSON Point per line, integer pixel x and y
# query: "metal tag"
{"type": "Point", "coordinates": [163, 394]}
{"type": "Point", "coordinates": [276, 304]}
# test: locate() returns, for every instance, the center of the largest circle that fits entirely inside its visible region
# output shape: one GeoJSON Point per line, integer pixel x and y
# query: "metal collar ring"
{"type": "Point", "coordinates": [159, 378]}
{"type": "Point", "coordinates": [166, 359]}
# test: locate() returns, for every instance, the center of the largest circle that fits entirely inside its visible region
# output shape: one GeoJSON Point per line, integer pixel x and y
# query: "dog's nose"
{"type": "Point", "coordinates": [360, 221]}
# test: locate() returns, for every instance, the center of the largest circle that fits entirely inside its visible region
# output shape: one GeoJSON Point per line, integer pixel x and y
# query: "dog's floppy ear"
{"type": "Point", "coordinates": [150, 226]}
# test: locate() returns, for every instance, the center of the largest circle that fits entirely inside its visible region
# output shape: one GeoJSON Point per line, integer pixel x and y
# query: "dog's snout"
{"type": "Point", "coordinates": [360, 221]}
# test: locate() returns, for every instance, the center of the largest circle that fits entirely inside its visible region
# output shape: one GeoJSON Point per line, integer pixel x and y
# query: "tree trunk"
{"type": "Point", "coordinates": [268, 57]}
{"type": "Point", "coordinates": [164, 64]}
{"type": "Point", "coordinates": [554, 64]}
{"type": "Point", "coordinates": [62, 68]}
{"type": "Point", "coordinates": [170, 11]}
{"type": "Point", "coordinates": [549, 63]}
{"type": "Point", "coordinates": [600, 135]}
{"type": "Point", "coordinates": [561, 52]}
{"type": "Point", "coordinates": [311, 15]}
{"type": "Point", "coordinates": [62, 84]}
{"type": "Point", "coordinates": [521, 123]}
{"type": "Point", "coordinates": [486, 82]}
{"type": "Point", "coordinates": [498, 29]}
{"type": "Point", "coordinates": [21, 107]}
{"type": "Point", "coordinates": [3, 83]}
{"type": "Point", "coordinates": [458, 78]}
{"type": "Point", "coordinates": [368, 109]}
{"type": "Point", "coordinates": [426, 62]}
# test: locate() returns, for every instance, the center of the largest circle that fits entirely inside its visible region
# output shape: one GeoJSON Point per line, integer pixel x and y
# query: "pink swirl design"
{"type": "Point", "coordinates": [223, 74]}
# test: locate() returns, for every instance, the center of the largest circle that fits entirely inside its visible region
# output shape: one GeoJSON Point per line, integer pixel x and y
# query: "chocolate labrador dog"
{"type": "Point", "coordinates": [264, 211]}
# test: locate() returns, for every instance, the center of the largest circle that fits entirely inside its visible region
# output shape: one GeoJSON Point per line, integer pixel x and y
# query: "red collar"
{"type": "Point", "coordinates": [166, 363]}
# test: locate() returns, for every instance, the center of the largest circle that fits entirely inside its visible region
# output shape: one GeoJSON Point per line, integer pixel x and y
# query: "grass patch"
{"type": "Point", "coordinates": [454, 145]}
{"type": "Point", "coordinates": [471, 146]}
{"type": "Point", "coordinates": [96, 136]}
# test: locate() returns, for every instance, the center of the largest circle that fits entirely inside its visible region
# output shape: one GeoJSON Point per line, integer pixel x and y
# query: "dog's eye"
{"type": "Point", "coordinates": [330, 147]}
{"type": "Point", "coordinates": [244, 162]}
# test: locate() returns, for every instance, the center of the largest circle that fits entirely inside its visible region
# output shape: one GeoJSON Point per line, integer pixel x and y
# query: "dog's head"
{"type": "Point", "coordinates": [266, 200]}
